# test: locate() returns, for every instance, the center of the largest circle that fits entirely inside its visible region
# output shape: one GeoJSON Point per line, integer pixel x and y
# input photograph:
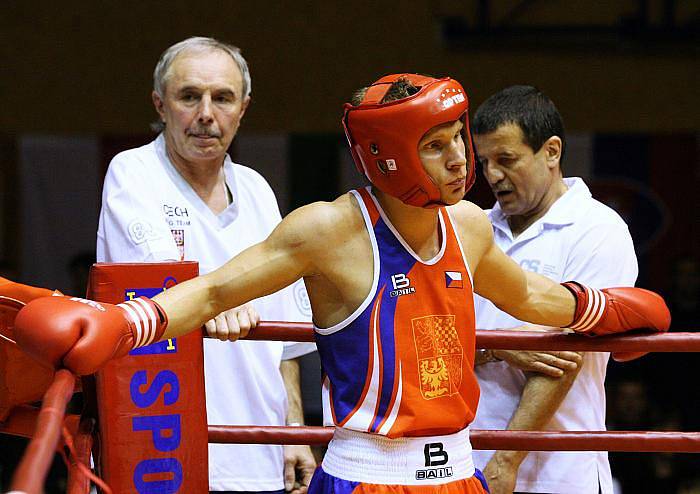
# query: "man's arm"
{"type": "Point", "coordinates": [539, 401]}
{"type": "Point", "coordinates": [550, 363]}
{"type": "Point", "coordinates": [291, 375]}
{"type": "Point", "coordinates": [299, 462]}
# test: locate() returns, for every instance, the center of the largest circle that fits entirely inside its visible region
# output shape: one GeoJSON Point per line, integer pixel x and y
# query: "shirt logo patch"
{"type": "Point", "coordinates": [176, 216]}
{"type": "Point", "coordinates": [140, 231]}
{"type": "Point", "coordinates": [530, 265]}
{"type": "Point", "coordinates": [301, 297]}
{"type": "Point", "coordinates": [453, 279]}
{"type": "Point", "coordinates": [440, 355]}
{"type": "Point", "coordinates": [402, 285]}
{"type": "Point", "coordinates": [179, 237]}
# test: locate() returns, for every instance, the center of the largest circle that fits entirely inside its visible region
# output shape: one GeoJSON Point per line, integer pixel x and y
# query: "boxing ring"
{"type": "Point", "coordinates": [75, 437]}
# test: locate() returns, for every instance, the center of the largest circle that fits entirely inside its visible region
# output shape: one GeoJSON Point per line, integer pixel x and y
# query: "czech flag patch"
{"type": "Point", "coordinates": [453, 279]}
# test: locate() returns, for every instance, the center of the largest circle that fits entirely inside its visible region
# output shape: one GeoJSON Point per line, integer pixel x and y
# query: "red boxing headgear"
{"type": "Point", "coordinates": [383, 137]}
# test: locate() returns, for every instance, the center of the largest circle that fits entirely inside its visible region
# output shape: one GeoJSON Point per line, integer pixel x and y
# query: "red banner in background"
{"type": "Point", "coordinates": [151, 405]}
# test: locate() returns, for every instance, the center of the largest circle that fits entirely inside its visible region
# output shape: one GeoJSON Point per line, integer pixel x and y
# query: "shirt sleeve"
{"type": "Point", "coordinates": [603, 256]}
{"type": "Point", "coordinates": [297, 309]}
{"type": "Point", "coordinates": [132, 227]}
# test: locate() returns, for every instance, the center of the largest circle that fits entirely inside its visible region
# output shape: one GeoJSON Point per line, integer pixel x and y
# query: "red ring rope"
{"type": "Point", "coordinates": [520, 340]}
{"type": "Point", "coordinates": [679, 442]}
{"type": "Point", "coordinates": [31, 472]}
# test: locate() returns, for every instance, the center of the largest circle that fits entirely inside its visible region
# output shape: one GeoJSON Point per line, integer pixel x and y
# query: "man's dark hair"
{"type": "Point", "coordinates": [525, 106]}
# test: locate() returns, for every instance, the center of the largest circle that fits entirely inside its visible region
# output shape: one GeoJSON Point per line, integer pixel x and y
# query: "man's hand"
{"type": "Point", "coordinates": [501, 474]}
{"type": "Point", "coordinates": [82, 335]}
{"type": "Point", "coordinates": [234, 323]}
{"type": "Point", "coordinates": [299, 467]}
{"type": "Point", "coordinates": [552, 364]}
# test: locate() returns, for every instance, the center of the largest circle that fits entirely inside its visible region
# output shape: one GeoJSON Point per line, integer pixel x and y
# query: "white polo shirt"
{"type": "Point", "coordinates": [578, 239]}
{"type": "Point", "coordinates": [150, 214]}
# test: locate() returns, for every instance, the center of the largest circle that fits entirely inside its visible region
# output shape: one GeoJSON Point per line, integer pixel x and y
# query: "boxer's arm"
{"type": "Point", "coordinates": [83, 335]}
{"type": "Point", "coordinates": [289, 253]}
{"type": "Point", "coordinates": [536, 299]}
{"type": "Point", "coordinates": [524, 295]}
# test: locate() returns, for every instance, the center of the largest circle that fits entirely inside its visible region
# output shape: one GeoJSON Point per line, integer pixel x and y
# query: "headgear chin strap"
{"type": "Point", "coordinates": [383, 137]}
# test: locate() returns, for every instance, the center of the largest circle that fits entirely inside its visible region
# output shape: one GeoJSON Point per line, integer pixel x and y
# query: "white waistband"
{"type": "Point", "coordinates": [374, 459]}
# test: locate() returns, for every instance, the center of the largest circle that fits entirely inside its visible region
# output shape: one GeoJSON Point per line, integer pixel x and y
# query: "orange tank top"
{"type": "Point", "coordinates": [403, 363]}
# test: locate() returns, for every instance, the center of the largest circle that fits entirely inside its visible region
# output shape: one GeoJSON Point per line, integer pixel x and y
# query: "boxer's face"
{"type": "Point", "coordinates": [520, 177]}
{"type": "Point", "coordinates": [442, 153]}
{"type": "Point", "coordinates": [202, 106]}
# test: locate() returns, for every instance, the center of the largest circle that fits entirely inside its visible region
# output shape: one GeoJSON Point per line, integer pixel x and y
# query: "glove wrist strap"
{"type": "Point", "coordinates": [147, 320]}
{"type": "Point", "coordinates": [590, 306]}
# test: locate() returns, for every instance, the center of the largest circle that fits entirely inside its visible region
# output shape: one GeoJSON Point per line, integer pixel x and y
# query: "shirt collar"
{"type": "Point", "coordinates": [224, 218]}
{"type": "Point", "coordinates": [561, 213]}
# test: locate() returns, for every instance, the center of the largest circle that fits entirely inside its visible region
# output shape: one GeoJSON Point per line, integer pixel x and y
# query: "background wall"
{"type": "Point", "coordinates": [75, 66]}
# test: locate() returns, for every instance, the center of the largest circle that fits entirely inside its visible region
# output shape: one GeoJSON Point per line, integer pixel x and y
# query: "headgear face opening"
{"type": "Point", "coordinates": [384, 137]}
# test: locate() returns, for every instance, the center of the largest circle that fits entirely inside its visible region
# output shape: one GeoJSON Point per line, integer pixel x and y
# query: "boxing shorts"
{"type": "Point", "coordinates": [369, 463]}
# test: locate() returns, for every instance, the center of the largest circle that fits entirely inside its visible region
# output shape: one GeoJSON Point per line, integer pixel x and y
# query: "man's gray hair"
{"type": "Point", "coordinates": [162, 70]}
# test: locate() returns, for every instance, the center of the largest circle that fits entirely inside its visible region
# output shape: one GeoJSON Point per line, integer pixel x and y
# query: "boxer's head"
{"type": "Point", "coordinates": [409, 135]}
{"type": "Point", "coordinates": [201, 89]}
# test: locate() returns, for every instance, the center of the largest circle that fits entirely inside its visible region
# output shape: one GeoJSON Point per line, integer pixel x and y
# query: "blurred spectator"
{"type": "Point", "coordinates": [632, 407]}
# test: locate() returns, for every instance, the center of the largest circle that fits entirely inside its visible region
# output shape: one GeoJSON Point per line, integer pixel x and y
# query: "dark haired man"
{"type": "Point", "coordinates": [390, 270]}
{"type": "Point", "coordinates": [552, 226]}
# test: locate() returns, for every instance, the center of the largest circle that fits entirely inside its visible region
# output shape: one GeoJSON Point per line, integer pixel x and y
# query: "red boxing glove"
{"type": "Point", "coordinates": [615, 310]}
{"type": "Point", "coordinates": [23, 293]}
{"type": "Point", "coordinates": [35, 379]}
{"type": "Point", "coordinates": [82, 335]}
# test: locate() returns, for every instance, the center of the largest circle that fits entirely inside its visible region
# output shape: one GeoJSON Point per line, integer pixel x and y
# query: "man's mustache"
{"type": "Point", "coordinates": [203, 132]}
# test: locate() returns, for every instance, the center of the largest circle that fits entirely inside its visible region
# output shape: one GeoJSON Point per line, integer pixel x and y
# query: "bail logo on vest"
{"type": "Point", "coordinates": [402, 285]}
{"type": "Point", "coordinates": [435, 456]}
